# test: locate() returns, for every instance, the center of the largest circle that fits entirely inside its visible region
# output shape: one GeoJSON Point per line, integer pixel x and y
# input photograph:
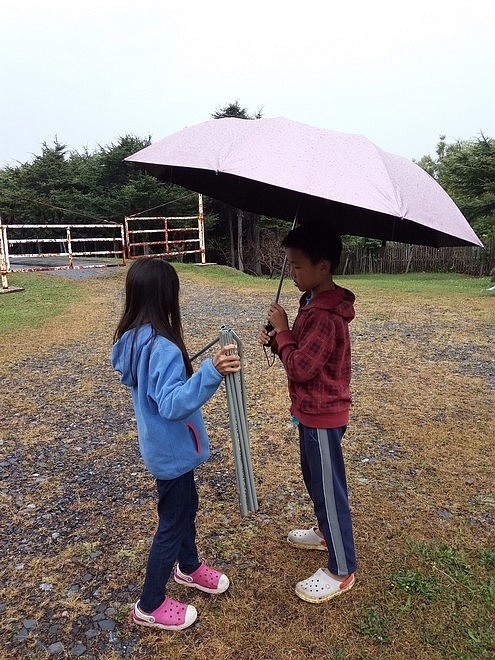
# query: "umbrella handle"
{"type": "Point", "coordinates": [269, 327]}
{"type": "Point", "coordinates": [281, 281]}
{"type": "Point", "coordinates": [284, 265]}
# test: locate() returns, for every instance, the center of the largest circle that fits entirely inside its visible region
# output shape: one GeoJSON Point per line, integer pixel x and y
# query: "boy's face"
{"type": "Point", "coordinates": [306, 275]}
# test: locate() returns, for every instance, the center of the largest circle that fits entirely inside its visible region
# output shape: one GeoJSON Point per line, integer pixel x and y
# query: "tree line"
{"type": "Point", "coordinates": [65, 186]}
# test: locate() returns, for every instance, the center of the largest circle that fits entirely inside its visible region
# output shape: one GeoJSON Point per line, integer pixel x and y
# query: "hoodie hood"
{"type": "Point", "coordinates": [338, 300]}
{"type": "Point", "coordinates": [127, 350]}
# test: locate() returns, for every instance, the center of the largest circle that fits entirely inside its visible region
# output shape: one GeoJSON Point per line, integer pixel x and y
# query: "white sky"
{"type": "Point", "coordinates": [401, 73]}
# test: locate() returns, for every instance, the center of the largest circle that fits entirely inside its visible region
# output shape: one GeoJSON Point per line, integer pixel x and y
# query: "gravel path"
{"type": "Point", "coordinates": [77, 506]}
{"type": "Point", "coordinates": [68, 482]}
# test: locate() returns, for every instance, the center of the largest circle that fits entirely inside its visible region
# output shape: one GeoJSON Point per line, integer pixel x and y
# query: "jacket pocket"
{"type": "Point", "coordinates": [195, 435]}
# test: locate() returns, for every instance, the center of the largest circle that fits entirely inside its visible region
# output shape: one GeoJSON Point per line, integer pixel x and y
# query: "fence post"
{"type": "Point", "coordinates": [409, 258]}
{"type": "Point", "coordinates": [201, 229]}
{"type": "Point", "coordinates": [69, 248]}
{"type": "Point", "coordinates": [165, 234]}
{"type": "Point", "coordinates": [3, 255]}
{"type": "Point", "coordinates": [122, 244]}
{"type": "Point", "coordinates": [127, 238]}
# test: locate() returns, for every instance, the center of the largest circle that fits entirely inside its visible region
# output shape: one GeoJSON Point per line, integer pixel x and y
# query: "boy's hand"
{"type": "Point", "coordinates": [265, 336]}
{"type": "Point", "coordinates": [278, 317]}
{"type": "Point", "coordinates": [226, 361]}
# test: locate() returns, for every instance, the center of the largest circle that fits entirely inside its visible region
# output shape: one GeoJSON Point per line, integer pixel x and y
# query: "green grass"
{"type": "Point", "coordinates": [427, 283]}
{"type": "Point", "coordinates": [451, 591]}
{"type": "Point", "coordinates": [44, 296]}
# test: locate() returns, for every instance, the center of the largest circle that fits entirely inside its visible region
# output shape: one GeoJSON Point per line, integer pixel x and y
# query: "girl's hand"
{"type": "Point", "coordinates": [278, 317]}
{"type": "Point", "coordinates": [226, 361]}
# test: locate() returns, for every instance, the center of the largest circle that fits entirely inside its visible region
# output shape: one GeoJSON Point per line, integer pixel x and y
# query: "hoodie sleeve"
{"type": "Point", "coordinates": [304, 361]}
{"type": "Point", "coordinates": [175, 395]}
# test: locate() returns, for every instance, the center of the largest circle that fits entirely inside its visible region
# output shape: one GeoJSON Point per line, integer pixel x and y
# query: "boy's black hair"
{"type": "Point", "coordinates": [318, 240]}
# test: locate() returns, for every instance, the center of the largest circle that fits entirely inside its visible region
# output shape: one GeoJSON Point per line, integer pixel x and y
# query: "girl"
{"type": "Point", "coordinates": [151, 358]}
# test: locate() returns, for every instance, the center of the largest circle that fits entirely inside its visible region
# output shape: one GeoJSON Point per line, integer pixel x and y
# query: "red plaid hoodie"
{"type": "Point", "coordinates": [316, 355]}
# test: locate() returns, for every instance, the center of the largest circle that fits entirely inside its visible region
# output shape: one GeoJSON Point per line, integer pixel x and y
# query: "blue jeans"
{"type": "Point", "coordinates": [174, 540]}
{"type": "Point", "coordinates": [323, 472]}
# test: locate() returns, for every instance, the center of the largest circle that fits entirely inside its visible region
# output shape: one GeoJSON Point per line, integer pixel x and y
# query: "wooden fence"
{"type": "Point", "coordinates": [400, 258]}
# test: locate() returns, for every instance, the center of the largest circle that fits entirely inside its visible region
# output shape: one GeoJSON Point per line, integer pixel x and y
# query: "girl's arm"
{"type": "Point", "coordinates": [176, 396]}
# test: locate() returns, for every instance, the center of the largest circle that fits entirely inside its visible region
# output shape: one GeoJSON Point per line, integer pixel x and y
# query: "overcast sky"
{"type": "Point", "coordinates": [401, 73]}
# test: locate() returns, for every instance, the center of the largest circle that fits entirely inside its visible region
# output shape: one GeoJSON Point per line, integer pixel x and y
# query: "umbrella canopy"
{"type": "Point", "coordinates": [278, 167]}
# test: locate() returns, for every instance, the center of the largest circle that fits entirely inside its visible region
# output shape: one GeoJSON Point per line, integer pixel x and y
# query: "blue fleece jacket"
{"type": "Point", "coordinates": [171, 432]}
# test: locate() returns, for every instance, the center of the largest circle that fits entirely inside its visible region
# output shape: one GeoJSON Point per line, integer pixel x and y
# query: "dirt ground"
{"type": "Point", "coordinates": [78, 507]}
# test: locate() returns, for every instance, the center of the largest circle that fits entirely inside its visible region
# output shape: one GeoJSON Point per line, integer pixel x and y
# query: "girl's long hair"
{"type": "Point", "coordinates": [152, 296]}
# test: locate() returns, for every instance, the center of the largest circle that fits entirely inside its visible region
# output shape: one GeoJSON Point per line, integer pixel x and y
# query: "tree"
{"type": "Point", "coordinates": [235, 110]}
{"type": "Point", "coordinates": [63, 186]}
{"type": "Point", "coordinates": [248, 232]}
{"type": "Point", "coordinates": [466, 170]}
{"type": "Point", "coordinates": [48, 176]}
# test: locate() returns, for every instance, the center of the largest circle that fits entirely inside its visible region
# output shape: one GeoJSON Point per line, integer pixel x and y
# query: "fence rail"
{"type": "Point", "coordinates": [171, 236]}
{"type": "Point", "coordinates": [50, 241]}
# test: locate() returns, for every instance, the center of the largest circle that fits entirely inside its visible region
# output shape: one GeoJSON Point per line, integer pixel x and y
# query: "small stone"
{"type": "Point", "coordinates": [46, 586]}
{"type": "Point", "coordinates": [107, 624]}
{"type": "Point", "coordinates": [21, 636]}
{"type": "Point", "coordinates": [91, 633]}
{"type": "Point", "coordinates": [29, 623]}
{"type": "Point", "coordinates": [78, 649]}
{"type": "Point", "coordinates": [55, 648]}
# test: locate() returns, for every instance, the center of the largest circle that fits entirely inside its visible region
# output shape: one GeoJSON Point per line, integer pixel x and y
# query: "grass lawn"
{"type": "Point", "coordinates": [43, 297]}
{"type": "Point", "coordinates": [78, 506]}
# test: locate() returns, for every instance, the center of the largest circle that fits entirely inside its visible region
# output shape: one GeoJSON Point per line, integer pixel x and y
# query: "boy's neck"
{"type": "Point", "coordinates": [324, 286]}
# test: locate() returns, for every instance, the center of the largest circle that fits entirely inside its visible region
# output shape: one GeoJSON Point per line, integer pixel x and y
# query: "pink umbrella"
{"type": "Point", "coordinates": [280, 168]}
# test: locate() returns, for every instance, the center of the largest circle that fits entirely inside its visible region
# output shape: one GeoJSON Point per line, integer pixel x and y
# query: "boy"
{"type": "Point", "coordinates": [316, 355]}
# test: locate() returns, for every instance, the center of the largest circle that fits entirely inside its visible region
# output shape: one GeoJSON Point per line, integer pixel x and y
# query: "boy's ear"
{"type": "Point", "coordinates": [325, 265]}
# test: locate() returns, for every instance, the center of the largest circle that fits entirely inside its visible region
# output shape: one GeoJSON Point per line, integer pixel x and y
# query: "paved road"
{"type": "Point", "coordinates": [83, 268]}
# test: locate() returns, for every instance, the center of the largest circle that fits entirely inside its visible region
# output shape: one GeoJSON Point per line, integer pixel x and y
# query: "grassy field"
{"type": "Point", "coordinates": [420, 461]}
{"type": "Point", "coordinates": [42, 298]}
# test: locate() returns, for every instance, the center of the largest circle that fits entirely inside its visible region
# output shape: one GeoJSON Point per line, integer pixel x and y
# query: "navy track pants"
{"type": "Point", "coordinates": [175, 537]}
{"type": "Point", "coordinates": [323, 470]}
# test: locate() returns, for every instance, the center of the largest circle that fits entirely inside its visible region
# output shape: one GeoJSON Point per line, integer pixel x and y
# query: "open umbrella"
{"type": "Point", "coordinates": [280, 168]}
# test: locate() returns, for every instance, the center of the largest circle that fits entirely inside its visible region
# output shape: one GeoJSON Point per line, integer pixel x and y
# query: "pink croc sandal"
{"type": "Point", "coordinates": [204, 578]}
{"type": "Point", "coordinates": [170, 615]}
